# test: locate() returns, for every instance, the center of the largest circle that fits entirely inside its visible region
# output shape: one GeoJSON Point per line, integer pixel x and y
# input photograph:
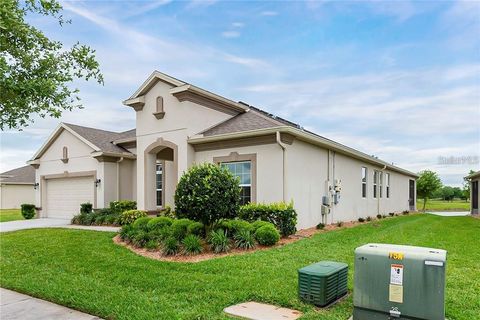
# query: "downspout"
{"type": "Point", "coordinates": [118, 177]}
{"type": "Point", "coordinates": [380, 187]}
{"type": "Point", "coordinates": [284, 173]}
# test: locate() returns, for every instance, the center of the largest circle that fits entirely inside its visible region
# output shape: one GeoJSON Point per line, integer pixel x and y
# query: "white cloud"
{"type": "Point", "coordinates": [238, 24]}
{"type": "Point", "coordinates": [230, 34]}
{"type": "Point", "coordinates": [269, 13]}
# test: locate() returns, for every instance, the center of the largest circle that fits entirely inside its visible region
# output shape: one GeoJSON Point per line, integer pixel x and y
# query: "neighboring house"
{"type": "Point", "coordinates": [179, 125]}
{"type": "Point", "coordinates": [17, 187]}
{"type": "Point", "coordinates": [474, 179]}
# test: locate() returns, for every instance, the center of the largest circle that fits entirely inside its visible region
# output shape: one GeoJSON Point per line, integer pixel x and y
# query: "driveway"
{"type": "Point", "coordinates": [17, 306]}
{"type": "Point", "coordinates": [32, 224]}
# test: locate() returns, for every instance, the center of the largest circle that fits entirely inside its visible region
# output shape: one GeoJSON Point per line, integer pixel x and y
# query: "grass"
{"type": "Point", "coordinates": [86, 271]}
{"type": "Point", "coordinates": [10, 215]}
{"type": "Point", "coordinates": [442, 205]}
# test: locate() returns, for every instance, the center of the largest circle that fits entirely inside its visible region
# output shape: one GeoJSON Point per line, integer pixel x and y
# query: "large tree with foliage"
{"type": "Point", "coordinates": [466, 186]}
{"type": "Point", "coordinates": [36, 73]}
{"type": "Point", "coordinates": [427, 184]}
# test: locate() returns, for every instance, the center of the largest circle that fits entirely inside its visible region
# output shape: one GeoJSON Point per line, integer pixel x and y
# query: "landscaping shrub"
{"type": "Point", "coordinates": [207, 193]}
{"type": "Point", "coordinates": [259, 223]}
{"type": "Point", "coordinates": [111, 219]}
{"type": "Point", "coordinates": [123, 205]}
{"type": "Point", "coordinates": [339, 223]}
{"type": "Point", "coordinates": [142, 224]}
{"type": "Point", "coordinates": [369, 218]}
{"type": "Point", "coordinates": [86, 207]}
{"type": "Point", "coordinates": [196, 228]}
{"type": "Point", "coordinates": [170, 246]}
{"type": "Point", "coordinates": [192, 244]}
{"type": "Point", "coordinates": [151, 245]}
{"type": "Point", "coordinates": [28, 210]}
{"type": "Point", "coordinates": [140, 237]}
{"type": "Point", "coordinates": [130, 216]}
{"type": "Point", "coordinates": [281, 214]}
{"type": "Point", "coordinates": [159, 223]}
{"type": "Point", "coordinates": [320, 226]}
{"type": "Point", "coordinates": [179, 228]}
{"type": "Point", "coordinates": [379, 216]}
{"type": "Point", "coordinates": [406, 212]}
{"type": "Point", "coordinates": [384, 216]}
{"type": "Point", "coordinates": [391, 214]}
{"type": "Point", "coordinates": [126, 232]}
{"type": "Point", "coordinates": [244, 239]}
{"type": "Point", "coordinates": [219, 241]}
{"type": "Point", "coordinates": [361, 220]}
{"type": "Point", "coordinates": [233, 225]}
{"type": "Point", "coordinates": [267, 235]}
{"type": "Point", "coordinates": [98, 219]}
{"type": "Point", "coordinates": [166, 212]}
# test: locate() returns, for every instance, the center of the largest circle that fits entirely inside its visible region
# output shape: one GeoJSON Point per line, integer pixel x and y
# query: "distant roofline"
{"type": "Point", "coordinates": [473, 175]}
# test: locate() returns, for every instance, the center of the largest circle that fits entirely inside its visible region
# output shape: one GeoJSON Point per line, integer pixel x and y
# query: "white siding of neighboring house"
{"type": "Point", "coordinates": [13, 195]}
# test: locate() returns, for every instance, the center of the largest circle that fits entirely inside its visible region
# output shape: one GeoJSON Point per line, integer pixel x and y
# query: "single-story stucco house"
{"type": "Point", "coordinates": [179, 125]}
{"type": "Point", "coordinates": [17, 187]}
{"type": "Point", "coordinates": [474, 179]}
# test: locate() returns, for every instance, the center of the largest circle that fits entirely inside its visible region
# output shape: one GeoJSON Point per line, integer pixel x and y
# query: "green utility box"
{"type": "Point", "coordinates": [399, 282]}
{"type": "Point", "coordinates": [322, 283]}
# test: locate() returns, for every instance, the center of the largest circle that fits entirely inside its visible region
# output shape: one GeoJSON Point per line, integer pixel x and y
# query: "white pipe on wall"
{"type": "Point", "coordinates": [118, 178]}
{"type": "Point", "coordinates": [284, 147]}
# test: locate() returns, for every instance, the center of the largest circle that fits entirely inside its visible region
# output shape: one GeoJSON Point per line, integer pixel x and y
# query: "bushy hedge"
{"type": "Point", "coordinates": [86, 207]}
{"type": "Point", "coordinates": [281, 214]}
{"type": "Point", "coordinates": [28, 210]}
{"type": "Point", "coordinates": [104, 216]}
{"type": "Point", "coordinates": [123, 205]}
{"type": "Point", "coordinates": [207, 193]}
{"type": "Point", "coordinates": [130, 216]}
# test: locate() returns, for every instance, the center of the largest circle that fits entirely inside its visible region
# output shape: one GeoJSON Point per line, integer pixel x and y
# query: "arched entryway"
{"type": "Point", "coordinates": [160, 174]}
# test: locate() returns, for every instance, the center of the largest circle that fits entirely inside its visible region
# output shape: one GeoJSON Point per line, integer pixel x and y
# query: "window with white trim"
{"type": "Point", "coordinates": [159, 183]}
{"type": "Point", "coordinates": [375, 183]}
{"type": "Point", "coordinates": [242, 170]}
{"type": "Point", "coordinates": [387, 184]}
{"type": "Point", "coordinates": [380, 183]}
{"type": "Point", "coordinates": [364, 182]}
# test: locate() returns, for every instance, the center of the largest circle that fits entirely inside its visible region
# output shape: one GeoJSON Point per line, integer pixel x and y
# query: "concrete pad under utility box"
{"type": "Point", "coordinates": [260, 311]}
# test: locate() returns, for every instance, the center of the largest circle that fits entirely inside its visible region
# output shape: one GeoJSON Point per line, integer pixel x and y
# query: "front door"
{"type": "Point", "coordinates": [474, 197]}
{"type": "Point", "coordinates": [411, 197]}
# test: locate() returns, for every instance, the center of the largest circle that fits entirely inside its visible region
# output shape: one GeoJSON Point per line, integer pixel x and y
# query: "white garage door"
{"type": "Point", "coordinates": [65, 195]}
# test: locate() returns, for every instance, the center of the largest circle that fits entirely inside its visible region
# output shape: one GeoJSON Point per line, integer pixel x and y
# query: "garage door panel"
{"type": "Point", "coordinates": [65, 195]}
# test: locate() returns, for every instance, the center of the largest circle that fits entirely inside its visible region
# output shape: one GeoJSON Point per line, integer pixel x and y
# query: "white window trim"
{"type": "Point", "coordinates": [364, 183]}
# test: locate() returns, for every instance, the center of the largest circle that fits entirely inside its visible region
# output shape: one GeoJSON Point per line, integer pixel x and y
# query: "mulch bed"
{"type": "Point", "coordinates": [207, 254]}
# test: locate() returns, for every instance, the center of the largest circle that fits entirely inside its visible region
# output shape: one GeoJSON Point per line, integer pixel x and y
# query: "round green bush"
{"type": "Point", "coordinates": [207, 193]}
{"type": "Point", "coordinates": [192, 244]}
{"type": "Point", "coordinates": [159, 223]}
{"type": "Point", "coordinates": [141, 223]}
{"type": "Point", "coordinates": [130, 216]}
{"type": "Point", "coordinates": [267, 235]}
{"type": "Point", "coordinates": [179, 228]}
{"type": "Point", "coordinates": [151, 245]}
{"type": "Point", "coordinates": [196, 228]}
{"type": "Point", "coordinates": [259, 223]}
{"type": "Point", "coordinates": [28, 210]}
{"type": "Point", "coordinates": [126, 232]}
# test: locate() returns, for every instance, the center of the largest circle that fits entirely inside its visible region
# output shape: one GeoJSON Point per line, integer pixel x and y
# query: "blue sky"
{"type": "Point", "coordinates": [399, 80]}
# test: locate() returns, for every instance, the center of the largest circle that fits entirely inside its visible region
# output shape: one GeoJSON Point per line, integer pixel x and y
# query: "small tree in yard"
{"type": "Point", "coordinates": [427, 184]}
{"type": "Point", "coordinates": [466, 187]}
{"type": "Point", "coordinates": [207, 193]}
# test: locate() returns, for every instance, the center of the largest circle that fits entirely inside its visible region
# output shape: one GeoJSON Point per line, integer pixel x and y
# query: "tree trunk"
{"type": "Point", "coordinates": [424, 204]}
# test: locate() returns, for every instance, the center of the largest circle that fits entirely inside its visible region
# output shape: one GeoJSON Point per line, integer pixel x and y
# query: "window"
{"type": "Point", "coordinates": [242, 170]}
{"type": "Point", "coordinates": [65, 154]}
{"type": "Point", "coordinates": [159, 111]}
{"type": "Point", "coordinates": [159, 183]}
{"type": "Point", "coordinates": [387, 184]}
{"type": "Point", "coordinates": [380, 183]}
{"type": "Point", "coordinates": [364, 182]}
{"type": "Point", "coordinates": [375, 182]}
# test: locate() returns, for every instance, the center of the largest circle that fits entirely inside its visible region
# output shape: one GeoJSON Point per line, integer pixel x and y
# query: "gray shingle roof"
{"type": "Point", "coordinates": [24, 174]}
{"type": "Point", "coordinates": [102, 138]}
{"type": "Point", "coordinates": [253, 119]}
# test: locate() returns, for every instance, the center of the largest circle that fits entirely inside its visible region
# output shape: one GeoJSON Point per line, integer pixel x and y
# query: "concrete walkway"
{"type": "Point", "coordinates": [17, 306]}
{"type": "Point", "coordinates": [450, 213]}
{"type": "Point", "coordinates": [49, 223]}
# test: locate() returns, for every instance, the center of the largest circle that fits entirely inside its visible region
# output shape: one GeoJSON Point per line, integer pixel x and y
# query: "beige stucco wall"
{"type": "Point", "coordinates": [181, 120]}
{"type": "Point", "coordinates": [308, 169]}
{"type": "Point", "coordinates": [14, 195]}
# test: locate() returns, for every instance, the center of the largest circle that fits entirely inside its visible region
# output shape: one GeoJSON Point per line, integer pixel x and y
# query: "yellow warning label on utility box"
{"type": "Point", "coordinates": [396, 293]}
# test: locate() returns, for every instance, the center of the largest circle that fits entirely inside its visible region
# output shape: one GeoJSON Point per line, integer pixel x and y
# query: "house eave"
{"type": "Point", "coordinates": [304, 136]}
{"type": "Point", "coordinates": [473, 175]}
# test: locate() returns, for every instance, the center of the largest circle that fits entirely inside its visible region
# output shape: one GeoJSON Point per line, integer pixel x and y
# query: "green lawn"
{"type": "Point", "coordinates": [442, 205]}
{"type": "Point", "coordinates": [86, 271]}
{"type": "Point", "coordinates": [10, 215]}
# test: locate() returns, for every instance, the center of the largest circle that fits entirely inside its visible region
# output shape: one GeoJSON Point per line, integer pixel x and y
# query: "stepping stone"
{"type": "Point", "coordinates": [260, 311]}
